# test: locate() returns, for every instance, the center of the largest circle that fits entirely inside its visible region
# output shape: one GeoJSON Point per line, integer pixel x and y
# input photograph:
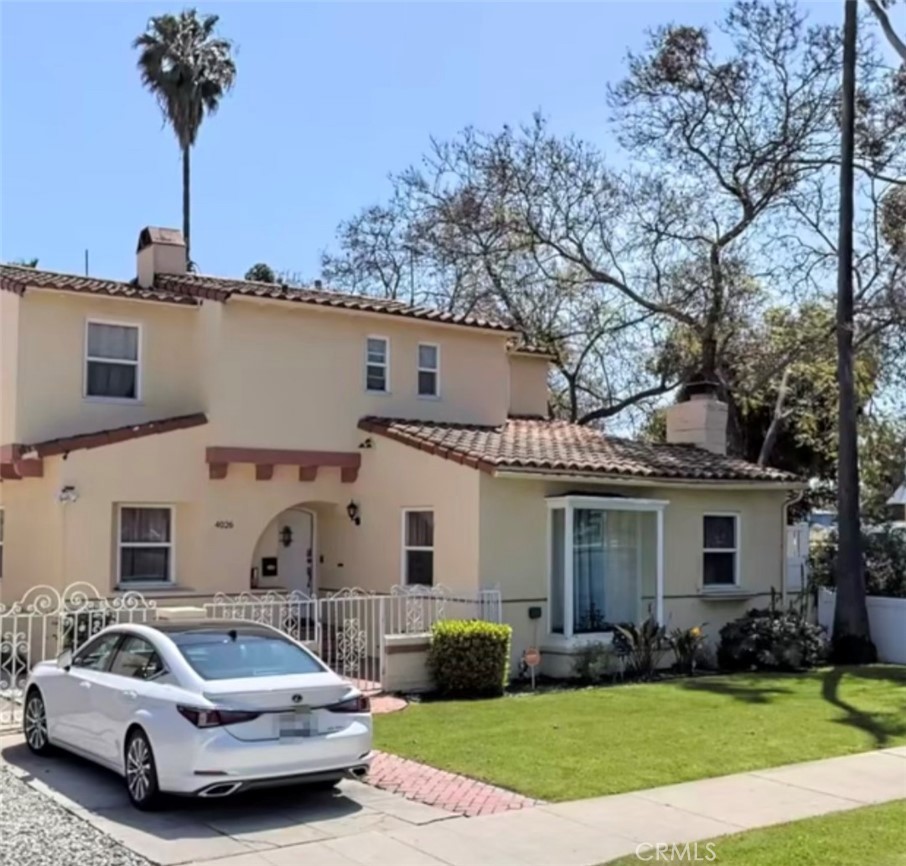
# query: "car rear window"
{"type": "Point", "coordinates": [229, 654]}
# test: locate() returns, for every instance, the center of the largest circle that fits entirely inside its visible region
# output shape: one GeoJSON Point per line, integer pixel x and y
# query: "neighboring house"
{"type": "Point", "coordinates": [897, 504]}
{"type": "Point", "coordinates": [183, 434]}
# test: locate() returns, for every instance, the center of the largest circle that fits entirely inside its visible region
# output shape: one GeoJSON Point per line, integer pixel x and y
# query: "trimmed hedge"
{"type": "Point", "coordinates": [470, 658]}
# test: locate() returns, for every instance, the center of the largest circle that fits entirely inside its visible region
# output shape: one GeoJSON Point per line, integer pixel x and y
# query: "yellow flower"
{"type": "Point", "coordinates": [695, 631]}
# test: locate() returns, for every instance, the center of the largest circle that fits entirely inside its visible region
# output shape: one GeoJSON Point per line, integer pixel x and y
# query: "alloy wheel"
{"type": "Point", "coordinates": [139, 770]}
{"type": "Point", "coordinates": [36, 723]}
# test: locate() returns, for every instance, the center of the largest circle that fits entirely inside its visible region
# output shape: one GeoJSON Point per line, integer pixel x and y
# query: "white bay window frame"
{"type": "Point", "coordinates": [569, 504]}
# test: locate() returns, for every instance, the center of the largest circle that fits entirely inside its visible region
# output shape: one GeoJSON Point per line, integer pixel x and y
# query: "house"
{"type": "Point", "coordinates": [897, 504]}
{"type": "Point", "coordinates": [184, 435]}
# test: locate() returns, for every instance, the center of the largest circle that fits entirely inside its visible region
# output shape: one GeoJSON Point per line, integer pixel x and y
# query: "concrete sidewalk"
{"type": "Point", "coordinates": [587, 832]}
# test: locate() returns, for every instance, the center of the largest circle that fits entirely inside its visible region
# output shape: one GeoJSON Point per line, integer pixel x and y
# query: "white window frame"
{"type": "Point", "coordinates": [718, 587]}
{"type": "Point", "coordinates": [386, 364]}
{"type": "Point", "coordinates": [137, 363]}
{"type": "Point", "coordinates": [420, 369]}
{"type": "Point", "coordinates": [405, 548]}
{"type": "Point", "coordinates": [120, 544]}
{"type": "Point", "coordinates": [568, 504]}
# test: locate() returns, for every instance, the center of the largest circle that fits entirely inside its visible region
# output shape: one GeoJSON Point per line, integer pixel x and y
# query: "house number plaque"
{"type": "Point", "coordinates": [224, 524]}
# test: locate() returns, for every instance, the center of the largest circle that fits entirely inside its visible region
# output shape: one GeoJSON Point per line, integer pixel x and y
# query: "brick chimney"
{"type": "Point", "coordinates": [160, 251]}
{"type": "Point", "coordinates": [700, 419]}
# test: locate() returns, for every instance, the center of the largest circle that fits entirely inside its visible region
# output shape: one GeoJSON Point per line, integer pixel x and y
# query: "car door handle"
{"type": "Point", "coordinates": [130, 695]}
{"type": "Point", "coordinates": [85, 685]}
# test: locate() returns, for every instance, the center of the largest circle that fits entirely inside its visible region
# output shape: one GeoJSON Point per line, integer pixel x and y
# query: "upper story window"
{"type": "Point", "coordinates": [112, 361]}
{"type": "Point", "coordinates": [721, 550]}
{"type": "Point", "coordinates": [377, 365]}
{"type": "Point", "coordinates": [428, 370]}
{"type": "Point", "coordinates": [145, 544]}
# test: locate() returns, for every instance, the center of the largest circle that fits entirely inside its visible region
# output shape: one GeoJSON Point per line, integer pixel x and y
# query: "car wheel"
{"type": "Point", "coordinates": [34, 724]}
{"type": "Point", "coordinates": [141, 772]}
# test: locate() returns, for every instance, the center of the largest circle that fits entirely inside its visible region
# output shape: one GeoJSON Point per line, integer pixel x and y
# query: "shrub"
{"type": "Point", "coordinates": [771, 639]}
{"type": "Point", "coordinates": [884, 554]}
{"type": "Point", "coordinates": [592, 662]}
{"type": "Point", "coordinates": [688, 645]}
{"type": "Point", "coordinates": [470, 658]}
{"type": "Point", "coordinates": [642, 646]}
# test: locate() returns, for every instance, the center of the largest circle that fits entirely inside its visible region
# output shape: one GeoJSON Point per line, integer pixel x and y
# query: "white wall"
{"type": "Point", "coordinates": [886, 619]}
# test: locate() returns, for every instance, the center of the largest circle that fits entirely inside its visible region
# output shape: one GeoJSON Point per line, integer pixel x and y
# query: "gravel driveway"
{"type": "Point", "coordinates": [36, 831]}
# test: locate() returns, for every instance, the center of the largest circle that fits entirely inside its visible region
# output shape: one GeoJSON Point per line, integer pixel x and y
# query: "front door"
{"type": "Point", "coordinates": [296, 560]}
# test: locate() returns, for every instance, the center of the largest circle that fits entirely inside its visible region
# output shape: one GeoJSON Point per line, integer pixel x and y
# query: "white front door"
{"type": "Point", "coordinates": [296, 561]}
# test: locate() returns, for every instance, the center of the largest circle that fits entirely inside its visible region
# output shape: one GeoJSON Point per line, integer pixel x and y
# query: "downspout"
{"type": "Point", "coordinates": [794, 498]}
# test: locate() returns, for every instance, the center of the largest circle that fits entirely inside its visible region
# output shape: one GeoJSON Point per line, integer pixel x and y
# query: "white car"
{"type": "Point", "coordinates": [204, 708]}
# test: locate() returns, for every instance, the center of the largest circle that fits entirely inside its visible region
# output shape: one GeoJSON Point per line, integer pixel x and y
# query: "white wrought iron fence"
{"type": "Point", "coordinates": [45, 622]}
{"type": "Point", "coordinates": [346, 628]}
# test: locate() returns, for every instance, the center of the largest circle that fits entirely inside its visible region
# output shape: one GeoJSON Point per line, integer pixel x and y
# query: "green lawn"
{"type": "Point", "coordinates": [583, 743]}
{"type": "Point", "coordinates": [873, 836]}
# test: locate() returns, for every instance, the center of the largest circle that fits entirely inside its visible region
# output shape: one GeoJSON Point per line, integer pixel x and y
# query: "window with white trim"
{"type": "Point", "coordinates": [112, 361]}
{"type": "Point", "coordinates": [145, 544]}
{"type": "Point", "coordinates": [720, 562]}
{"type": "Point", "coordinates": [377, 364]}
{"type": "Point", "coordinates": [418, 547]}
{"type": "Point", "coordinates": [1, 542]}
{"type": "Point", "coordinates": [428, 370]}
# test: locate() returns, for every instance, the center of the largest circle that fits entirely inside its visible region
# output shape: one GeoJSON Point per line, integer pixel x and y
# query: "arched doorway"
{"type": "Point", "coordinates": [285, 556]}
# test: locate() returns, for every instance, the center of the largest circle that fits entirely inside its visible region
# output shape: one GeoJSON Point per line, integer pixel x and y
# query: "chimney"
{"type": "Point", "coordinates": [700, 418]}
{"type": "Point", "coordinates": [160, 251]}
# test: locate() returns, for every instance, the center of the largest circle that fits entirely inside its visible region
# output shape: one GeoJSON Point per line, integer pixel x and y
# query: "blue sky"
{"type": "Point", "coordinates": [330, 97]}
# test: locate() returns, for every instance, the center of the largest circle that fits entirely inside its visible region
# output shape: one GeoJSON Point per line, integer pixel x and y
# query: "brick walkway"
{"type": "Point", "coordinates": [439, 788]}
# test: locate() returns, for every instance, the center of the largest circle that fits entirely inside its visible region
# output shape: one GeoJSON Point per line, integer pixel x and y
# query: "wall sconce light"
{"type": "Point", "coordinates": [354, 512]}
{"type": "Point", "coordinates": [286, 536]}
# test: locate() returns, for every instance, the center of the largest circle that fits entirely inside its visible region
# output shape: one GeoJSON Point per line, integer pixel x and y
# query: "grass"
{"type": "Point", "coordinates": [567, 745]}
{"type": "Point", "coordinates": [874, 836]}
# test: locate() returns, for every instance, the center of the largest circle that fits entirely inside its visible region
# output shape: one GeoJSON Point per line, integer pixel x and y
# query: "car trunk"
{"type": "Point", "coordinates": [291, 707]}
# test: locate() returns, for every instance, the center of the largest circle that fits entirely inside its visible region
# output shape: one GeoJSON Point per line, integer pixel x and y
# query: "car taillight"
{"type": "Point", "coordinates": [358, 704]}
{"type": "Point", "coordinates": [203, 718]}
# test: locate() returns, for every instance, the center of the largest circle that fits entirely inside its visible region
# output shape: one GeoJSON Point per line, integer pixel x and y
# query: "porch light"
{"type": "Point", "coordinates": [353, 511]}
{"type": "Point", "coordinates": [286, 536]}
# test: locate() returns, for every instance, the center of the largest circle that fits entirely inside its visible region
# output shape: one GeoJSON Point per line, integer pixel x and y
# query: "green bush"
{"type": "Point", "coordinates": [771, 639]}
{"type": "Point", "coordinates": [884, 554]}
{"type": "Point", "coordinates": [470, 658]}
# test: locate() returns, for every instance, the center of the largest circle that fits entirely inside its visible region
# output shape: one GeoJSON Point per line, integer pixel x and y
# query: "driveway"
{"type": "Point", "coordinates": [279, 827]}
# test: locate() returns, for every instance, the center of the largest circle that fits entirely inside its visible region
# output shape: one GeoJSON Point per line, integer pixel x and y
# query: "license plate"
{"type": "Point", "coordinates": [298, 723]}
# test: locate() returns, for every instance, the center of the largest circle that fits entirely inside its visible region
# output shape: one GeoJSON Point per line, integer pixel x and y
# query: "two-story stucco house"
{"type": "Point", "coordinates": [183, 434]}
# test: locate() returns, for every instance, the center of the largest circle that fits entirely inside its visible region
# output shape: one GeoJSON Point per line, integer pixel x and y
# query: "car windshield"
{"type": "Point", "coordinates": [231, 654]}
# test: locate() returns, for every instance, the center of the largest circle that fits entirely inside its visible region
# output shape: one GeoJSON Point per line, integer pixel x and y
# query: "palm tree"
{"type": "Point", "coordinates": [188, 69]}
{"type": "Point", "coordinates": [852, 641]}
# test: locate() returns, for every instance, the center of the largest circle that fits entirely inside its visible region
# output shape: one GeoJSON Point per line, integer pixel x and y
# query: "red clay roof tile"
{"type": "Point", "coordinates": [533, 444]}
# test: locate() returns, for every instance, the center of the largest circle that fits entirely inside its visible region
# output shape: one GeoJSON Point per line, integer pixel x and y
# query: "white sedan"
{"type": "Point", "coordinates": [204, 708]}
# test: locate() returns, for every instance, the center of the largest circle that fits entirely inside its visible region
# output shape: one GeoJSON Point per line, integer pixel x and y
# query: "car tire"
{"type": "Point", "coordinates": [141, 772]}
{"type": "Point", "coordinates": [34, 723]}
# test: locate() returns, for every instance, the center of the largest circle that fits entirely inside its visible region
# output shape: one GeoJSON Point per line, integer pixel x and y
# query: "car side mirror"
{"type": "Point", "coordinates": [64, 660]}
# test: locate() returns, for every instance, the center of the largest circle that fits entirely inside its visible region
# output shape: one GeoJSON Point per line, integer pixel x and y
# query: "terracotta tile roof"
{"type": "Point", "coordinates": [52, 447]}
{"type": "Point", "coordinates": [220, 289]}
{"type": "Point", "coordinates": [533, 444]}
{"type": "Point", "coordinates": [17, 279]}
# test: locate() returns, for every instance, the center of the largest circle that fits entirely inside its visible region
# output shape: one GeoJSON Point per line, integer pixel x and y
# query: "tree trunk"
{"type": "Point", "coordinates": [185, 204]}
{"type": "Point", "coordinates": [777, 419]}
{"type": "Point", "coordinates": [851, 642]}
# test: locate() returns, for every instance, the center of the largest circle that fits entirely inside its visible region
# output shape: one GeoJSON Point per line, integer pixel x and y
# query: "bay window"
{"type": "Point", "coordinates": [606, 562]}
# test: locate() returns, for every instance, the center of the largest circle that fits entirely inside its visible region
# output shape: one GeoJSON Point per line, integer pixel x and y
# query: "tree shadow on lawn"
{"type": "Point", "coordinates": [880, 726]}
{"type": "Point", "coordinates": [732, 687]}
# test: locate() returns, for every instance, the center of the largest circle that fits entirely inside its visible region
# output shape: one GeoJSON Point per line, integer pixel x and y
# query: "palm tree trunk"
{"type": "Point", "coordinates": [185, 203]}
{"type": "Point", "coordinates": [851, 641]}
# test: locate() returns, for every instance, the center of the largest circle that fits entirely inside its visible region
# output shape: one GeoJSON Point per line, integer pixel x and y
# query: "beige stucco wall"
{"type": "Point", "coordinates": [286, 376]}
{"type": "Point", "coordinates": [48, 542]}
{"type": "Point", "coordinates": [51, 368]}
{"type": "Point", "coordinates": [528, 385]}
{"type": "Point", "coordinates": [9, 363]}
{"type": "Point", "coordinates": [513, 549]}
